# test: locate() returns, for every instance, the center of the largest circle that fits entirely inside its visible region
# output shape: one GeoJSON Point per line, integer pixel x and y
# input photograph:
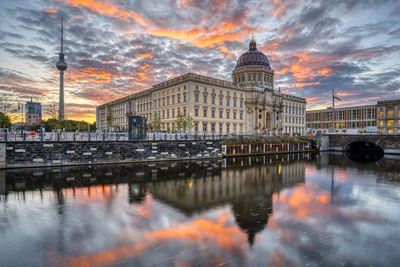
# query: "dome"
{"type": "Point", "coordinates": [253, 57]}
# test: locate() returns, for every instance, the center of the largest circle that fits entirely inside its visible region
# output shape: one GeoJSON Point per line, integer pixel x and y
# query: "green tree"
{"type": "Point", "coordinates": [5, 121]}
{"type": "Point", "coordinates": [156, 123]}
{"type": "Point", "coordinates": [180, 122]}
{"type": "Point", "coordinates": [110, 117]}
{"type": "Point", "coordinates": [183, 122]}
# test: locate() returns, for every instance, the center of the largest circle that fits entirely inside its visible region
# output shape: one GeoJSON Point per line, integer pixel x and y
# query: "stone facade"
{"type": "Point", "coordinates": [33, 154]}
{"type": "Point", "coordinates": [388, 116]}
{"type": "Point", "coordinates": [248, 105]}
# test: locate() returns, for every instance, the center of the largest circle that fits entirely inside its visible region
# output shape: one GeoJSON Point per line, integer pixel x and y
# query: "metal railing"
{"type": "Point", "coordinates": [27, 136]}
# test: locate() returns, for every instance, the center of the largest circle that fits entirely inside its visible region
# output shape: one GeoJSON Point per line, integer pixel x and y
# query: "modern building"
{"type": "Point", "coordinates": [347, 120]}
{"type": "Point", "coordinates": [248, 105]}
{"type": "Point", "coordinates": [388, 116]}
{"type": "Point", "coordinates": [33, 115]}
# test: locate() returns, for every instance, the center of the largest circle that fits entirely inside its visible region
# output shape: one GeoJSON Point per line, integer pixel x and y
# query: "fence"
{"type": "Point", "coordinates": [247, 149]}
{"type": "Point", "coordinates": [25, 136]}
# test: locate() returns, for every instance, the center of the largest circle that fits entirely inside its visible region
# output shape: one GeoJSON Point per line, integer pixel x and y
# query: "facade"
{"type": "Point", "coordinates": [347, 120]}
{"type": "Point", "coordinates": [33, 113]}
{"type": "Point", "coordinates": [388, 116]}
{"type": "Point", "coordinates": [248, 105]}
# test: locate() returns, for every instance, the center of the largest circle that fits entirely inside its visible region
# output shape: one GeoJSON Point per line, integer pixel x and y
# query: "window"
{"type": "Point", "coordinates": [234, 115]}
{"type": "Point", "coordinates": [168, 114]}
{"type": "Point", "coordinates": [220, 100]}
{"type": "Point", "coordinates": [196, 112]}
{"type": "Point", "coordinates": [227, 128]}
{"type": "Point", "coordinates": [390, 123]}
{"type": "Point", "coordinates": [173, 100]}
{"type": "Point", "coordinates": [227, 113]}
{"type": "Point", "coordinates": [204, 112]}
{"type": "Point", "coordinates": [205, 99]}
{"type": "Point", "coordinates": [173, 113]}
{"type": "Point", "coordinates": [241, 115]}
{"type": "Point", "coordinates": [213, 100]}
{"type": "Point", "coordinates": [184, 111]}
{"type": "Point", "coordinates": [178, 98]}
{"type": "Point", "coordinates": [213, 113]}
{"type": "Point", "coordinates": [184, 97]}
{"type": "Point", "coordinates": [220, 113]}
{"type": "Point", "coordinates": [196, 98]}
{"type": "Point", "coordinates": [204, 127]}
{"type": "Point", "coordinates": [205, 89]}
{"type": "Point", "coordinates": [234, 102]}
{"type": "Point", "coordinates": [259, 76]}
{"type": "Point", "coordinates": [163, 101]}
{"type": "Point", "coordinates": [213, 127]}
{"type": "Point", "coordinates": [241, 103]}
{"type": "Point", "coordinates": [227, 101]}
{"type": "Point", "coordinates": [196, 127]}
{"type": "Point", "coordinates": [254, 77]}
{"type": "Point", "coordinates": [167, 100]}
{"type": "Point", "coordinates": [248, 77]}
{"type": "Point", "coordinates": [220, 127]}
{"type": "Point", "coordinates": [390, 113]}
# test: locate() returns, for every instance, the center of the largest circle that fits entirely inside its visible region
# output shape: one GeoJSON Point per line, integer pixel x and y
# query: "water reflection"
{"type": "Point", "coordinates": [277, 210]}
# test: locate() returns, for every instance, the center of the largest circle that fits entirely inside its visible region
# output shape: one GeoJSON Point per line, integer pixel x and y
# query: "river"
{"type": "Point", "coordinates": [280, 210]}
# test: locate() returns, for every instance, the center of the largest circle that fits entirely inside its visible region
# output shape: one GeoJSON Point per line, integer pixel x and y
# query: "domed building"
{"type": "Point", "coordinates": [248, 104]}
{"type": "Point", "coordinates": [252, 68]}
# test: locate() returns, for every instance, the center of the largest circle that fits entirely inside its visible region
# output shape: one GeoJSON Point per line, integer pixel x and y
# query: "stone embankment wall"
{"type": "Point", "coordinates": [35, 154]}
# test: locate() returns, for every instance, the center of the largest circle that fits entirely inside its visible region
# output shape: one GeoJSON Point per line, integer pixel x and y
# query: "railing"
{"type": "Point", "coordinates": [27, 136]}
{"type": "Point", "coordinates": [248, 149]}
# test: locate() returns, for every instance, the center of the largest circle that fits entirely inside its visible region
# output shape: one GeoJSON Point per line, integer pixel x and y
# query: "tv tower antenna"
{"type": "Point", "coordinates": [61, 66]}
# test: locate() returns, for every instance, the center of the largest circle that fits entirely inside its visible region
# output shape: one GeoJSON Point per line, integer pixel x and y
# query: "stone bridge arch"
{"type": "Point", "coordinates": [340, 142]}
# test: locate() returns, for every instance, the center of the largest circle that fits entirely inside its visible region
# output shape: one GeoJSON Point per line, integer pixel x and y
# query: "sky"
{"type": "Point", "coordinates": [118, 47]}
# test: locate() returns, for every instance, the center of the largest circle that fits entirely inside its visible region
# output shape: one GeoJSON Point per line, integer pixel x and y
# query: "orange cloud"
{"type": "Point", "coordinates": [199, 231]}
{"type": "Point", "coordinates": [344, 94]}
{"type": "Point", "coordinates": [144, 55]}
{"type": "Point", "coordinates": [51, 11]}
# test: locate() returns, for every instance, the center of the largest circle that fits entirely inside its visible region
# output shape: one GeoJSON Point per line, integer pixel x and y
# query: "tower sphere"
{"type": "Point", "coordinates": [61, 64]}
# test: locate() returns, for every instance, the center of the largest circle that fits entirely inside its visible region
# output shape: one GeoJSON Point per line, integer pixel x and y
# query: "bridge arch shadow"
{"type": "Point", "coordinates": [364, 151]}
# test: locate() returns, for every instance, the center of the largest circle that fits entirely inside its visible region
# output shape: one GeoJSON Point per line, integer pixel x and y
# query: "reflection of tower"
{"type": "Point", "coordinates": [61, 66]}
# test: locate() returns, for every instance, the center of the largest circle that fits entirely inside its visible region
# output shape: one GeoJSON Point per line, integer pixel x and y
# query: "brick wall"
{"type": "Point", "coordinates": [31, 154]}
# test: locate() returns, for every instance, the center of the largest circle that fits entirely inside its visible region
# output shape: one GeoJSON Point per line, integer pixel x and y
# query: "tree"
{"type": "Point", "coordinates": [5, 121]}
{"type": "Point", "coordinates": [110, 117]}
{"type": "Point", "coordinates": [184, 122]}
{"type": "Point", "coordinates": [156, 123]}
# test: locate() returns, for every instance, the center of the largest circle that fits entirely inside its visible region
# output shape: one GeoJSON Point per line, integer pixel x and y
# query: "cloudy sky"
{"type": "Point", "coordinates": [117, 47]}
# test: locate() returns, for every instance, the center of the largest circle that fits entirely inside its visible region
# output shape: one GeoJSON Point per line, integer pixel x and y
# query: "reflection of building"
{"type": "Point", "coordinates": [249, 104]}
{"type": "Point", "coordinates": [347, 119]}
{"type": "Point", "coordinates": [389, 116]}
{"type": "Point", "coordinates": [33, 113]}
{"type": "Point", "coordinates": [248, 189]}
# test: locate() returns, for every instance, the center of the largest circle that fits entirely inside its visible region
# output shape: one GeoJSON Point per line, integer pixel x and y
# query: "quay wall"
{"type": "Point", "coordinates": [64, 153]}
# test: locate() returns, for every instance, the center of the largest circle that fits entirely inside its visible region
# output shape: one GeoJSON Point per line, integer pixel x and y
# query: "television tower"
{"type": "Point", "coordinates": [61, 66]}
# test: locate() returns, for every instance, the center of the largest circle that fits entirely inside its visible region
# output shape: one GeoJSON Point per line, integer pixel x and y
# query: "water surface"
{"type": "Point", "coordinates": [285, 210]}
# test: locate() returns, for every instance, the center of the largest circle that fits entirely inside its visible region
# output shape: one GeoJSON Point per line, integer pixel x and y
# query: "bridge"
{"type": "Point", "coordinates": [389, 144]}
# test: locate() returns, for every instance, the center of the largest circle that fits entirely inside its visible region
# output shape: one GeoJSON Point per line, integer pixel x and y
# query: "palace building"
{"type": "Point", "coordinates": [248, 105]}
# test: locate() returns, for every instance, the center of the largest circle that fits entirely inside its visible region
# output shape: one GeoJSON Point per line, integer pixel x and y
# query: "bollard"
{"type": "Point", "coordinates": [5, 136]}
{"type": "Point", "coordinates": [74, 137]}
{"type": "Point", "coordinates": [58, 136]}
